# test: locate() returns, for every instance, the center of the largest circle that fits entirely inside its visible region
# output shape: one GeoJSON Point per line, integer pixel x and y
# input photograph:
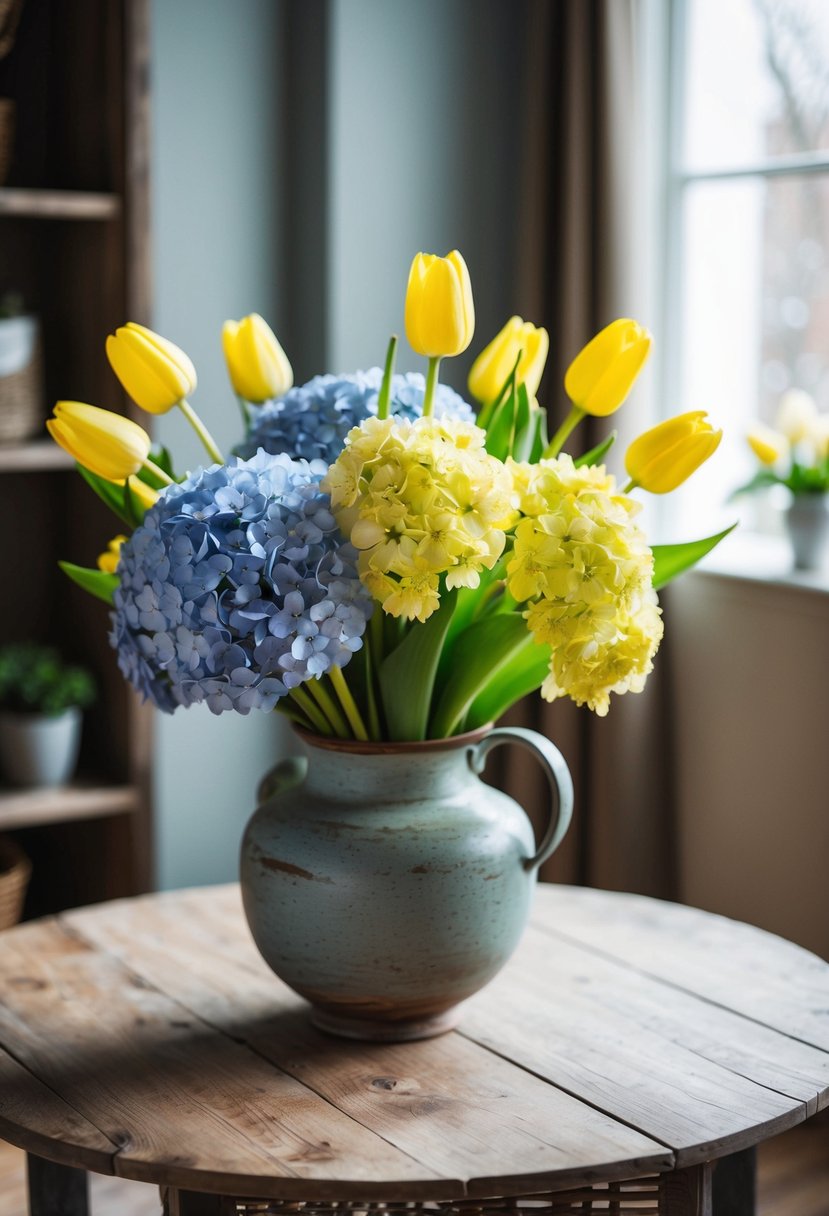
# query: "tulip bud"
{"type": "Point", "coordinates": [495, 362]}
{"type": "Point", "coordinates": [796, 415]}
{"type": "Point", "coordinates": [666, 455]}
{"type": "Point", "coordinates": [155, 373]}
{"type": "Point", "coordinates": [602, 374]}
{"type": "Point", "coordinates": [257, 365]}
{"type": "Point", "coordinates": [440, 315]}
{"type": "Point", "coordinates": [108, 560]}
{"type": "Point", "coordinates": [108, 444]}
{"type": "Point", "coordinates": [767, 445]}
{"type": "Point", "coordinates": [144, 494]}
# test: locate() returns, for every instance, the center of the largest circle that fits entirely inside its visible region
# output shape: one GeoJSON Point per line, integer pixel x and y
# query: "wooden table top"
{"type": "Point", "coordinates": [146, 1038]}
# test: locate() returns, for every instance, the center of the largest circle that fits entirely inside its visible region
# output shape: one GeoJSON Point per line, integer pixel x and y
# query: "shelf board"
{"type": "Point", "coordinates": [40, 806]}
{"type": "Point", "coordinates": [59, 204]}
{"type": "Point", "coordinates": [32, 456]}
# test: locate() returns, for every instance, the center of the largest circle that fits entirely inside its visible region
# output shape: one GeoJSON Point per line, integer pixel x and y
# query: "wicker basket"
{"type": "Point", "coordinates": [21, 381]}
{"type": "Point", "coordinates": [15, 871]}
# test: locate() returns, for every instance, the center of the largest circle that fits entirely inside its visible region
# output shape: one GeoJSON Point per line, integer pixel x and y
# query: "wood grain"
{"type": "Point", "coordinates": [59, 204]}
{"type": "Point", "coordinates": [33, 807]}
{"type": "Point", "coordinates": [742, 968]}
{"type": "Point", "coordinates": [157, 1022]}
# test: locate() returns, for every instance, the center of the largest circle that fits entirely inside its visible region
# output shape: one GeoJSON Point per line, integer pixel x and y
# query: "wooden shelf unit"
{"type": "Point", "coordinates": [74, 242]}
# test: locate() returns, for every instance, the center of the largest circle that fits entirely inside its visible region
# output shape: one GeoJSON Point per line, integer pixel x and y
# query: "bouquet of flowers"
{"type": "Point", "coordinates": [377, 561]}
{"type": "Point", "coordinates": [794, 452]}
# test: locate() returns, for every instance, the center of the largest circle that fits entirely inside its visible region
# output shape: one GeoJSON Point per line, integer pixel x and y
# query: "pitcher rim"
{"type": "Point", "coordinates": [359, 747]}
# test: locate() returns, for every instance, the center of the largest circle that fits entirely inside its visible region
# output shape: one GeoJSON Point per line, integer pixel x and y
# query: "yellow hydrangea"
{"type": "Point", "coordinates": [584, 568]}
{"type": "Point", "coordinates": [419, 500]}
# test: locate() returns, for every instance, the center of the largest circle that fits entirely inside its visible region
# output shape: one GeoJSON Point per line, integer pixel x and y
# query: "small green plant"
{"type": "Point", "coordinates": [34, 679]}
{"type": "Point", "coordinates": [11, 305]}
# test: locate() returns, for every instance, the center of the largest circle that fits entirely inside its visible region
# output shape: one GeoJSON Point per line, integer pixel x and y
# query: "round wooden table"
{"type": "Point", "coordinates": [628, 1045]}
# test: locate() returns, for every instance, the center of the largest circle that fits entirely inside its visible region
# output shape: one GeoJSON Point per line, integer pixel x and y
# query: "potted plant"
{"type": "Point", "coordinates": [41, 699]}
{"type": "Point", "coordinates": [795, 454]}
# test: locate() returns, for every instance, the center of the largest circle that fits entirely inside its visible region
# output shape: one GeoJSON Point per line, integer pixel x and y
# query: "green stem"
{"type": "Point", "coordinates": [348, 703]}
{"type": "Point", "coordinates": [317, 719]}
{"type": "Point", "coordinates": [431, 384]}
{"type": "Point", "coordinates": [488, 411]}
{"type": "Point", "coordinates": [201, 430]}
{"type": "Point", "coordinates": [244, 406]}
{"type": "Point", "coordinates": [326, 703]}
{"type": "Point", "coordinates": [558, 440]}
{"type": "Point", "coordinates": [384, 400]}
{"type": "Point", "coordinates": [294, 713]}
{"type": "Point", "coordinates": [153, 468]}
{"type": "Point", "coordinates": [631, 485]}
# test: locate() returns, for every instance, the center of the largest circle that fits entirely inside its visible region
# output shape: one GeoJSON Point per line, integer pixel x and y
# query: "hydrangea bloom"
{"type": "Point", "coordinates": [312, 420]}
{"type": "Point", "coordinates": [236, 588]}
{"type": "Point", "coordinates": [420, 499]}
{"type": "Point", "coordinates": [585, 569]}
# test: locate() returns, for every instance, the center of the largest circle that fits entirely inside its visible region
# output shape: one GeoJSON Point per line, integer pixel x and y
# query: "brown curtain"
{"type": "Point", "coordinates": [577, 257]}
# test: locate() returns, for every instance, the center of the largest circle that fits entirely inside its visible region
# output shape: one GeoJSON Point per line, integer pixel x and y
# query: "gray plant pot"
{"type": "Point", "coordinates": [36, 750]}
{"type": "Point", "coordinates": [807, 523]}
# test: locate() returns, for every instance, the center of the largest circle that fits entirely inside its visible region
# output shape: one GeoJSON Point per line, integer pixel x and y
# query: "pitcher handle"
{"type": "Point", "coordinates": [556, 771]}
{"type": "Point", "coordinates": [283, 776]}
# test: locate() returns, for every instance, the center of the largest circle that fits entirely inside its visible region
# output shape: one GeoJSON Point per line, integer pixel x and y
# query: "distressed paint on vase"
{"type": "Point", "coordinates": [386, 883]}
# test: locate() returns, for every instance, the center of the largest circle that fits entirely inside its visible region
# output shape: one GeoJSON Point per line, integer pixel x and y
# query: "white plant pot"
{"type": "Point", "coordinates": [38, 750]}
{"type": "Point", "coordinates": [18, 336]}
{"type": "Point", "coordinates": [807, 522]}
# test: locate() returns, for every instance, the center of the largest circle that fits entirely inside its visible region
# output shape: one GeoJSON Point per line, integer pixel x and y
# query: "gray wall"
{"type": "Point", "coordinates": [216, 158]}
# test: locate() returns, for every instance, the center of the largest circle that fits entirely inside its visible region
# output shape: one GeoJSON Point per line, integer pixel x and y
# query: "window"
{"type": "Point", "coordinates": [748, 224]}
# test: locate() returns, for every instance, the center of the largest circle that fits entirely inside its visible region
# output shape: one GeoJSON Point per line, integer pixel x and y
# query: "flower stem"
{"type": "Point", "coordinates": [326, 703]}
{"type": "Point", "coordinates": [245, 408]}
{"type": "Point", "coordinates": [558, 440]}
{"type": "Point", "coordinates": [306, 705]}
{"type": "Point", "coordinates": [348, 703]}
{"type": "Point", "coordinates": [631, 485]}
{"type": "Point", "coordinates": [383, 401]}
{"type": "Point", "coordinates": [431, 384]}
{"type": "Point", "coordinates": [158, 472]}
{"type": "Point", "coordinates": [201, 430]}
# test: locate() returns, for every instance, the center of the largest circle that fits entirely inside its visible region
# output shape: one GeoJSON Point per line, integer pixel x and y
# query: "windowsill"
{"type": "Point", "coordinates": [762, 559]}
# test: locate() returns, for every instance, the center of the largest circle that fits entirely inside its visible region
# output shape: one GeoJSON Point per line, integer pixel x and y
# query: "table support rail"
{"type": "Point", "coordinates": [56, 1190]}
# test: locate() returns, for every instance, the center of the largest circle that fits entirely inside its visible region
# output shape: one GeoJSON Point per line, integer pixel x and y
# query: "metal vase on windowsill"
{"type": "Point", "coordinates": [807, 524]}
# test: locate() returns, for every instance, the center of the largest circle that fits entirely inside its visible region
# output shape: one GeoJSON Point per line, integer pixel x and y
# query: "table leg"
{"type": "Point", "coordinates": [686, 1192]}
{"type": "Point", "coordinates": [56, 1190]}
{"type": "Point", "coordinates": [193, 1203]}
{"type": "Point", "coordinates": [735, 1184]}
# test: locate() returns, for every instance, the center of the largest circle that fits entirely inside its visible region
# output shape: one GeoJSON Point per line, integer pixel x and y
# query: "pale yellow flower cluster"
{"type": "Point", "coordinates": [584, 567]}
{"type": "Point", "coordinates": [420, 499]}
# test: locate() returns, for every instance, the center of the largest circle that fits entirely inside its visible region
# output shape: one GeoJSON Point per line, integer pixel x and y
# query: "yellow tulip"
{"type": "Point", "coordinates": [108, 560]}
{"type": "Point", "coordinates": [766, 444]}
{"type": "Point", "coordinates": [440, 314]}
{"type": "Point", "coordinates": [495, 362]}
{"type": "Point", "coordinates": [602, 374]}
{"type": "Point", "coordinates": [108, 444]}
{"type": "Point", "coordinates": [257, 365]}
{"type": "Point", "coordinates": [143, 493]}
{"type": "Point", "coordinates": [663, 457]}
{"type": "Point", "coordinates": [155, 373]}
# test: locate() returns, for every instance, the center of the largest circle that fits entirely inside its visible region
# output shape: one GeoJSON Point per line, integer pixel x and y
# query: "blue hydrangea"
{"type": "Point", "coordinates": [236, 588]}
{"type": "Point", "coordinates": [312, 420]}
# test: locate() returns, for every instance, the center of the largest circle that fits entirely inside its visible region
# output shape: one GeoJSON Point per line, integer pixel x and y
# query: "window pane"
{"type": "Point", "coordinates": [755, 313]}
{"type": "Point", "coordinates": [757, 83]}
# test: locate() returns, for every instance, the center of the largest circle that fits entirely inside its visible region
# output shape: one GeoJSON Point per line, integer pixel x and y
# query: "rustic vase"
{"type": "Point", "coordinates": [386, 883]}
{"type": "Point", "coordinates": [807, 523]}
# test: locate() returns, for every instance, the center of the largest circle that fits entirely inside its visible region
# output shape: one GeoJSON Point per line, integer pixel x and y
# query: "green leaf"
{"type": "Point", "coordinates": [96, 582]}
{"type": "Point", "coordinates": [501, 427]}
{"type": "Point", "coordinates": [485, 649]}
{"type": "Point", "coordinates": [672, 560]}
{"type": "Point", "coordinates": [108, 492]}
{"type": "Point", "coordinates": [407, 675]}
{"type": "Point", "coordinates": [760, 480]}
{"type": "Point", "coordinates": [541, 438]}
{"type": "Point", "coordinates": [525, 673]}
{"type": "Point", "coordinates": [525, 427]}
{"type": "Point", "coordinates": [595, 455]}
